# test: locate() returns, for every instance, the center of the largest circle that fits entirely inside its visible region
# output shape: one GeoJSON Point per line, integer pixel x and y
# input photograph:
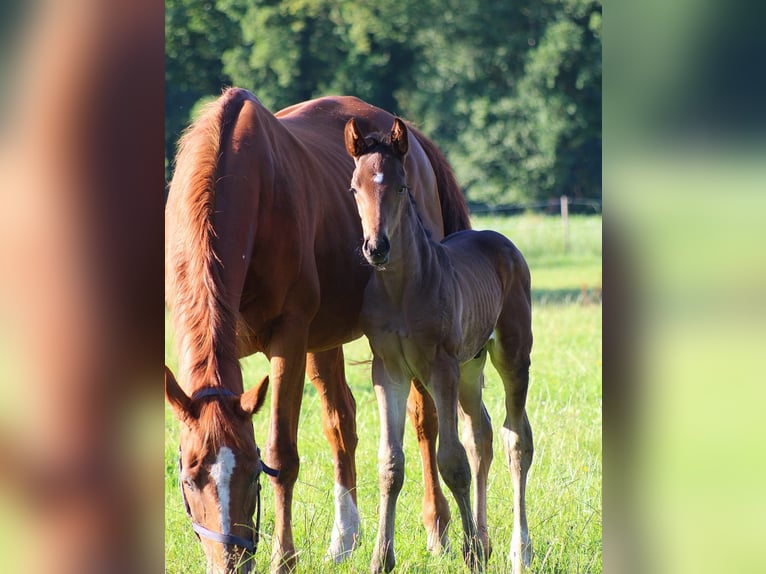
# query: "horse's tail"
{"type": "Point", "coordinates": [204, 322]}
{"type": "Point", "coordinates": [453, 204]}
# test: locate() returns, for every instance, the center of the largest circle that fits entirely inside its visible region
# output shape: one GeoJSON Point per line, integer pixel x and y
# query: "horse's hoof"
{"type": "Point", "coordinates": [341, 548]}
{"type": "Point", "coordinates": [438, 544]}
{"type": "Point", "coordinates": [286, 564]}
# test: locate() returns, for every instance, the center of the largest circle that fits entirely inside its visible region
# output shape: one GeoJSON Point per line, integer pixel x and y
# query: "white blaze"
{"type": "Point", "coordinates": [221, 472]}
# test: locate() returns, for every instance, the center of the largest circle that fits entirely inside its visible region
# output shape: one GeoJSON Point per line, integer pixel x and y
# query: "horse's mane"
{"type": "Point", "coordinates": [454, 207]}
{"type": "Point", "coordinates": [204, 322]}
{"type": "Point", "coordinates": [221, 426]}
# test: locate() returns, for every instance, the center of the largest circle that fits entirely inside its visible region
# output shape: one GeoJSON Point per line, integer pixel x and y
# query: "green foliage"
{"type": "Point", "coordinates": [510, 91]}
{"type": "Point", "coordinates": [196, 34]}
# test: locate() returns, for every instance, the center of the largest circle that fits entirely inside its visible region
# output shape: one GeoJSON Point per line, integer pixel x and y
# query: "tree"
{"type": "Point", "coordinates": [518, 109]}
{"type": "Point", "coordinates": [196, 35]}
{"type": "Point", "coordinates": [510, 91]}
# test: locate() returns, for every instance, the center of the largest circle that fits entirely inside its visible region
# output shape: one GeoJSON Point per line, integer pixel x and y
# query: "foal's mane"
{"type": "Point", "coordinates": [204, 322]}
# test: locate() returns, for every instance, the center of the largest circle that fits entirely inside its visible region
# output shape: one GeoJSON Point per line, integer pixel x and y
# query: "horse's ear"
{"type": "Point", "coordinates": [399, 141]}
{"type": "Point", "coordinates": [355, 144]}
{"type": "Point", "coordinates": [179, 402]}
{"type": "Point", "coordinates": [253, 399]}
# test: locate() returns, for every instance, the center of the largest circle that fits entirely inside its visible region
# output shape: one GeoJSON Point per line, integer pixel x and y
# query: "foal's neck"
{"type": "Point", "coordinates": [412, 253]}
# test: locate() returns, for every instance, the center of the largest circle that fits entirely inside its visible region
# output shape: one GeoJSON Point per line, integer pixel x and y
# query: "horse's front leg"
{"type": "Point", "coordinates": [288, 365]}
{"type": "Point", "coordinates": [325, 370]}
{"type": "Point", "coordinates": [392, 404]}
{"type": "Point", "coordinates": [436, 513]}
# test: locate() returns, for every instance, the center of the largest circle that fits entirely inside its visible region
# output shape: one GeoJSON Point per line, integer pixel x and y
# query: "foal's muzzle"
{"type": "Point", "coordinates": [377, 250]}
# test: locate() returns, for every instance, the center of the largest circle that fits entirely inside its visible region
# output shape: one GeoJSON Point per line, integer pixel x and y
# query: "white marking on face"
{"type": "Point", "coordinates": [221, 472]}
{"type": "Point", "coordinates": [378, 177]}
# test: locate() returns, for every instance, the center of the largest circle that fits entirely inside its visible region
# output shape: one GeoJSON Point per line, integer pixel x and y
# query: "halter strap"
{"type": "Point", "coordinates": [205, 392]}
{"type": "Point", "coordinates": [225, 538]}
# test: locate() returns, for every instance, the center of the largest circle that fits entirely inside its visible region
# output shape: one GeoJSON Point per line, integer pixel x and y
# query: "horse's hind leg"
{"type": "Point", "coordinates": [510, 355]}
{"type": "Point", "coordinates": [477, 439]}
{"type": "Point", "coordinates": [436, 513]}
{"type": "Point", "coordinates": [325, 371]}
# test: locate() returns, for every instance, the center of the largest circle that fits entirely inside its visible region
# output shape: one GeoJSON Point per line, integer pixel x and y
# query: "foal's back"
{"type": "Point", "coordinates": [490, 274]}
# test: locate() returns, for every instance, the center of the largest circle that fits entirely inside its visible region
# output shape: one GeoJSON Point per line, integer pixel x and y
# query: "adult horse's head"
{"type": "Point", "coordinates": [219, 468]}
{"type": "Point", "coordinates": [379, 184]}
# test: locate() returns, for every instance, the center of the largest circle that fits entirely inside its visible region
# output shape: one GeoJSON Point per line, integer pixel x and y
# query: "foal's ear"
{"type": "Point", "coordinates": [399, 141]}
{"type": "Point", "coordinates": [355, 144]}
{"type": "Point", "coordinates": [251, 401]}
{"type": "Point", "coordinates": [179, 402]}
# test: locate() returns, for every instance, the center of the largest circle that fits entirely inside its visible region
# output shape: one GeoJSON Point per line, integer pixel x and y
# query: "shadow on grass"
{"type": "Point", "coordinates": [583, 296]}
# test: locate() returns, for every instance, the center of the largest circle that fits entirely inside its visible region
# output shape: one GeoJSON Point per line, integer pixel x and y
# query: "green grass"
{"type": "Point", "coordinates": [564, 406]}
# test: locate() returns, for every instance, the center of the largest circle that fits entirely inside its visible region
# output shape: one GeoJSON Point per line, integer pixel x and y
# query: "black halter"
{"type": "Point", "coordinates": [250, 545]}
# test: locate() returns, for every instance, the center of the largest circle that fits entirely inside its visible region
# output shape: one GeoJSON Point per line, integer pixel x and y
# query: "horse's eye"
{"type": "Point", "coordinates": [352, 190]}
{"type": "Point", "coordinates": [189, 482]}
{"type": "Point", "coordinates": [403, 189]}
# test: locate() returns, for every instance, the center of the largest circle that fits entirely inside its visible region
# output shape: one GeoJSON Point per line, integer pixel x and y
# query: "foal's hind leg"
{"type": "Point", "coordinates": [325, 370]}
{"type": "Point", "coordinates": [436, 513]}
{"type": "Point", "coordinates": [510, 355]}
{"type": "Point", "coordinates": [477, 439]}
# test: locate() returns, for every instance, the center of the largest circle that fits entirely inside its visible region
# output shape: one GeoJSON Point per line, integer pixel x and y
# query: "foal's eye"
{"type": "Point", "coordinates": [352, 190]}
{"type": "Point", "coordinates": [403, 189]}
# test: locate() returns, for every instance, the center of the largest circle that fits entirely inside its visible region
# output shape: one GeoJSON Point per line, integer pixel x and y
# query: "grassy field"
{"type": "Point", "coordinates": [564, 407]}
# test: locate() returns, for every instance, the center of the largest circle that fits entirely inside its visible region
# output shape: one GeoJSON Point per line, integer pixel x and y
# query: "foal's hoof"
{"type": "Point", "coordinates": [383, 560]}
{"type": "Point", "coordinates": [474, 555]}
{"type": "Point", "coordinates": [520, 555]}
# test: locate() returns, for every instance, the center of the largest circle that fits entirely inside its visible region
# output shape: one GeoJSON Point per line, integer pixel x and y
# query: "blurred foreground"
{"type": "Point", "coordinates": [81, 292]}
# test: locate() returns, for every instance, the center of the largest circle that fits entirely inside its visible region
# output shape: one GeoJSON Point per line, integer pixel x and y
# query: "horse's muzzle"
{"type": "Point", "coordinates": [377, 251]}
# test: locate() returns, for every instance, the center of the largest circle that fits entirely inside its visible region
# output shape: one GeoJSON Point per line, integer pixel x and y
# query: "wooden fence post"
{"type": "Point", "coordinates": [565, 221]}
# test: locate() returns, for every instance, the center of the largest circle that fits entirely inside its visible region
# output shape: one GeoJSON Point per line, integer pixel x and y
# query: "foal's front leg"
{"type": "Point", "coordinates": [477, 440]}
{"type": "Point", "coordinates": [451, 456]}
{"type": "Point", "coordinates": [392, 405]}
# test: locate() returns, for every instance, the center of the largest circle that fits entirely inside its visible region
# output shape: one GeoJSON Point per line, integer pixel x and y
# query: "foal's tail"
{"type": "Point", "coordinates": [204, 321]}
{"type": "Point", "coordinates": [454, 207]}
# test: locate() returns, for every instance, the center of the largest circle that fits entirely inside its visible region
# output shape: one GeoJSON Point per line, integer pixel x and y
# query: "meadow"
{"type": "Point", "coordinates": [564, 408]}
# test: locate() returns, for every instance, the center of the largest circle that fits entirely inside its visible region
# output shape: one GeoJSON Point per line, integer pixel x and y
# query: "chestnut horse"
{"type": "Point", "coordinates": [262, 256]}
{"type": "Point", "coordinates": [432, 311]}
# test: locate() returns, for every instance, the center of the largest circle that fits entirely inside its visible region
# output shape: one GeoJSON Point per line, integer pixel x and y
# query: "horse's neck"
{"type": "Point", "coordinates": [413, 254]}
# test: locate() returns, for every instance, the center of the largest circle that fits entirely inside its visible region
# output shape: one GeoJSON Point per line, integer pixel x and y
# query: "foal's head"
{"type": "Point", "coordinates": [219, 468]}
{"type": "Point", "coordinates": [379, 185]}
